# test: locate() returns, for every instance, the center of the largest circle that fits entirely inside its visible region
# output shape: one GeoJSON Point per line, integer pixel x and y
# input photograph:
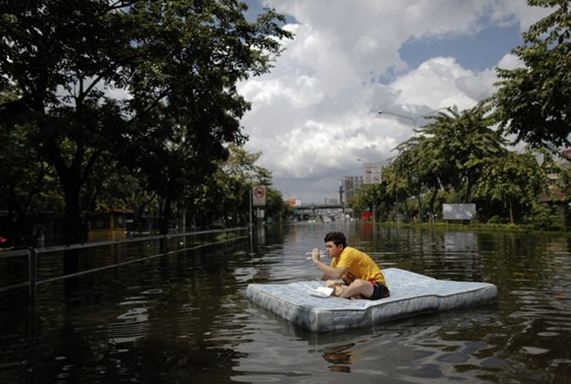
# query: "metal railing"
{"type": "Point", "coordinates": [165, 248]}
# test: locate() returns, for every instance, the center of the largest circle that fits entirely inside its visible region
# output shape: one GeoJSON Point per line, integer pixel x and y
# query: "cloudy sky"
{"type": "Point", "coordinates": [315, 114]}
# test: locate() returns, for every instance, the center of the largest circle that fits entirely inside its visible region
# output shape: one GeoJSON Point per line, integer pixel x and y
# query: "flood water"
{"type": "Point", "coordinates": [187, 319]}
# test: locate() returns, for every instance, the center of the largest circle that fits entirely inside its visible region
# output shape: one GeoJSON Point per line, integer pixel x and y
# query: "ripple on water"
{"type": "Point", "coordinates": [548, 334]}
{"type": "Point", "coordinates": [198, 316]}
{"type": "Point", "coordinates": [534, 350]}
{"type": "Point", "coordinates": [153, 291]}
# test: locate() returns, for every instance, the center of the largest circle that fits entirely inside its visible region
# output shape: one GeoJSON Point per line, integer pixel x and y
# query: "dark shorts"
{"type": "Point", "coordinates": [379, 291]}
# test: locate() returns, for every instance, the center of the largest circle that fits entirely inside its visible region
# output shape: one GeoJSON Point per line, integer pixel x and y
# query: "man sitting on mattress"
{"type": "Point", "coordinates": [362, 277]}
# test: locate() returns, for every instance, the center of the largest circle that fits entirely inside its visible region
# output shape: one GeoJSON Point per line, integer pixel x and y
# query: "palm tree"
{"type": "Point", "coordinates": [449, 153]}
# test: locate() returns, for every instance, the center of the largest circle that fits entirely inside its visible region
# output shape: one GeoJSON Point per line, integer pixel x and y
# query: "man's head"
{"type": "Point", "coordinates": [335, 242]}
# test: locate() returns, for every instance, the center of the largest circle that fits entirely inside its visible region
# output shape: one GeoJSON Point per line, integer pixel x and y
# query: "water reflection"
{"type": "Point", "coordinates": [186, 319]}
{"type": "Point", "coordinates": [460, 242]}
{"type": "Point", "coordinates": [340, 355]}
{"type": "Point", "coordinates": [495, 343]}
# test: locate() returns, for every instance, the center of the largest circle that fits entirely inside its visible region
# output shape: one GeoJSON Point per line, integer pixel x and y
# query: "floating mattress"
{"type": "Point", "coordinates": [411, 294]}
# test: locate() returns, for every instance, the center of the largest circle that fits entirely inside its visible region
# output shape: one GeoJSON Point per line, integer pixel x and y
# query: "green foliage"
{"type": "Point", "coordinates": [276, 208]}
{"type": "Point", "coordinates": [458, 158]}
{"type": "Point", "coordinates": [454, 148]}
{"type": "Point", "coordinates": [534, 101]}
{"type": "Point", "coordinates": [27, 183]}
{"type": "Point", "coordinates": [494, 220]}
{"type": "Point", "coordinates": [513, 181]}
{"type": "Point", "coordinates": [151, 85]}
{"type": "Point", "coordinates": [225, 197]}
{"type": "Point", "coordinates": [543, 216]}
{"type": "Point", "coordinates": [365, 197]}
{"type": "Point", "coordinates": [449, 153]}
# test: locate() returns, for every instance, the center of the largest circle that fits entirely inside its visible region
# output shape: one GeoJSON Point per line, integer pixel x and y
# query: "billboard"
{"type": "Point", "coordinates": [293, 202]}
{"type": "Point", "coordinates": [458, 211]}
{"type": "Point", "coordinates": [371, 173]}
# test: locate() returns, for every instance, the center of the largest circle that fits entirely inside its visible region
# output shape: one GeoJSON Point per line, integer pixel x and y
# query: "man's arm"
{"type": "Point", "coordinates": [328, 271]}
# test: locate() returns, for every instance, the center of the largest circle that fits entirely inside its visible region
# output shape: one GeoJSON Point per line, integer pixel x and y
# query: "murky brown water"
{"type": "Point", "coordinates": [187, 319]}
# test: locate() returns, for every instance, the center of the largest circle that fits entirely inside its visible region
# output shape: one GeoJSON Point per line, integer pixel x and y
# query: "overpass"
{"type": "Point", "coordinates": [325, 212]}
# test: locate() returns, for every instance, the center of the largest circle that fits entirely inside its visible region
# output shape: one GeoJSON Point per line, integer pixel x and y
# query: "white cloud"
{"type": "Point", "coordinates": [510, 61]}
{"type": "Point", "coordinates": [315, 113]}
{"type": "Point", "coordinates": [518, 11]}
{"type": "Point", "coordinates": [441, 82]}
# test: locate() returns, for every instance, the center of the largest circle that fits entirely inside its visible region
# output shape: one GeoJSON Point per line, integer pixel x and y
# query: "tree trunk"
{"type": "Point", "coordinates": [165, 216]}
{"type": "Point", "coordinates": [469, 187]}
{"type": "Point", "coordinates": [431, 202]}
{"type": "Point", "coordinates": [406, 210]}
{"type": "Point", "coordinates": [419, 199]}
{"type": "Point", "coordinates": [71, 181]}
{"type": "Point", "coordinates": [511, 213]}
{"type": "Point", "coordinates": [73, 233]}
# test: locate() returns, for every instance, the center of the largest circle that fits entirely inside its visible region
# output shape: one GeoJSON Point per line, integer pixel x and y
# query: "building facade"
{"type": "Point", "coordinates": [349, 187]}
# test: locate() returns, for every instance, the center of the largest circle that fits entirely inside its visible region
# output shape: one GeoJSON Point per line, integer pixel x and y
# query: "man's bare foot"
{"type": "Point", "coordinates": [338, 289]}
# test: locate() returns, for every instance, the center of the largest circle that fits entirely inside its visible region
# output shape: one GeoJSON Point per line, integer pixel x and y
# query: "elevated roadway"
{"type": "Point", "coordinates": [325, 212]}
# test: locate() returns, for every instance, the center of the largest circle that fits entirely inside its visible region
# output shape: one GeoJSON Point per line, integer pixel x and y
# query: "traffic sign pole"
{"type": "Point", "coordinates": [251, 198]}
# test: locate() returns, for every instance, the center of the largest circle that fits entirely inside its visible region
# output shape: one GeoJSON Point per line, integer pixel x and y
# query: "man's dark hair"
{"type": "Point", "coordinates": [337, 238]}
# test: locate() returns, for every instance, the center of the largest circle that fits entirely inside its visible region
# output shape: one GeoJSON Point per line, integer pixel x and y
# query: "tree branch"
{"type": "Point", "coordinates": [90, 163]}
{"type": "Point", "coordinates": [153, 104]}
{"type": "Point", "coordinates": [83, 93]}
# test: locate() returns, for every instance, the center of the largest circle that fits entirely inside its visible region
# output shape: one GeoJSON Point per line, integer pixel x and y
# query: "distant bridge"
{"type": "Point", "coordinates": [319, 206]}
{"type": "Point", "coordinates": [321, 211]}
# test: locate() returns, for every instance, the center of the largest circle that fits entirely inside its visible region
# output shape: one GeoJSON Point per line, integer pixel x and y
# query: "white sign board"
{"type": "Point", "coordinates": [458, 211]}
{"type": "Point", "coordinates": [372, 173]}
{"type": "Point", "coordinates": [259, 196]}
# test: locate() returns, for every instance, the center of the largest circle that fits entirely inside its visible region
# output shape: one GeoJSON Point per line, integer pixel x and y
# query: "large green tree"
{"type": "Point", "coordinates": [151, 83]}
{"type": "Point", "coordinates": [416, 169]}
{"type": "Point", "coordinates": [513, 181]}
{"type": "Point", "coordinates": [225, 197]}
{"type": "Point", "coordinates": [57, 56]}
{"type": "Point", "coordinates": [377, 197]}
{"type": "Point", "coordinates": [534, 101]}
{"type": "Point", "coordinates": [190, 103]}
{"type": "Point", "coordinates": [447, 154]}
{"type": "Point", "coordinates": [452, 150]}
{"type": "Point", "coordinates": [27, 183]}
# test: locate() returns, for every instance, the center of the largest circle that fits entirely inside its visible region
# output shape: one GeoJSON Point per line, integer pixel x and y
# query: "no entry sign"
{"type": "Point", "coordinates": [259, 195]}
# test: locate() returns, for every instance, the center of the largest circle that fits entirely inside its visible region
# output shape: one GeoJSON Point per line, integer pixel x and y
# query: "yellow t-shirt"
{"type": "Point", "coordinates": [359, 266]}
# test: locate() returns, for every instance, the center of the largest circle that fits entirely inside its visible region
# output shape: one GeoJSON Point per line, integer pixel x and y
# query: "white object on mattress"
{"type": "Point", "coordinates": [411, 294]}
{"type": "Point", "coordinates": [321, 291]}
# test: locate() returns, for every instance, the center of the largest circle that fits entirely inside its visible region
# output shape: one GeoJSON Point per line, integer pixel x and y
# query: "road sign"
{"type": "Point", "coordinates": [459, 211]}
{"type": "Point", "coordinates": [372, 173]}
{"type": "Point", "coordinates": [259, 196]}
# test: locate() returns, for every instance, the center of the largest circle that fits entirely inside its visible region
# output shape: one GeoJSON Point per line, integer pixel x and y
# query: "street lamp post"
{"type": "Point", "coordinates": [397, 198]}
{"type": "Point", "coordinates": [396, 173]}
{"type": "Point", "coordinates": [399, 115]}
{"type": "Point", "coordinates": [341, 200]}
{"type": "Point", "coordinates": [414, 122]}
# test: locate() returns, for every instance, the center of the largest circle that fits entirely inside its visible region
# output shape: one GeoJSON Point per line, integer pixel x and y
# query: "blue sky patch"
{"type": "Point", "coordinates": [475, 52]}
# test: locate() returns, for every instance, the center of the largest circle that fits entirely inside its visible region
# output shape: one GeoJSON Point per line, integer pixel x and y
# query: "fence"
{"type": "Point", "coordinates": [114, 254]}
